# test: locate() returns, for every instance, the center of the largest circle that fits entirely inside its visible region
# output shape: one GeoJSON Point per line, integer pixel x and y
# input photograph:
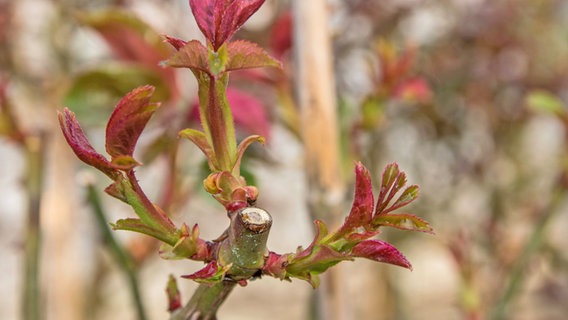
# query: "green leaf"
{"type": "Point", "coordinates": [245, 55]}
{"type": "Point", "coordinates": [544, 101]}
{"type": "Point", "coordinates": [125, 163]}
{"type": "Point", "coordinates": [137, 225]}
{"type": "Point", "coordinates": [403, 221]}
{"type": "Point", "coordinates": [184, 248]}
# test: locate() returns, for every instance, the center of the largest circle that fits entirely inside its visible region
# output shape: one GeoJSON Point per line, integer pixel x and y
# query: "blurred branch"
{"type": "Point", "coordinates": [315, 88]}
{"type": "Point", "coordinates": [517, 275]}
{"type": "Point", "coordinates": [123, 259]}
{"type": "Point", "coordinates": [35, 156]}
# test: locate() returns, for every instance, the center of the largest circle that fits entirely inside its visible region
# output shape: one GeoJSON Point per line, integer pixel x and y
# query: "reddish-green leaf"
{"type": "Point", "coordinates": [321, 232]}
{"type": "Point", "coordinates": [80, 145]}
{"type": "Point", "coordinates": [192, 55]}
{"type": "Point", "coordinates": [363, 202]}
{"type": "Point", "coordinates": [199, 139]}
{"type": "Point", "coordinates": [241, 150]}
{"type": "Point", "coordinates": [393, 181]}
{"type": "Point", "coordinates": [403, 221]}
{"type": "Point", "coordinates": [246, 55]}
{"type": "Point", "coordinates": [275, 265]}
{"type": "Point", "coordinates": [390, 173]}
{"type": "Point", "coordinates": [380, 251]}
{"type": "Point", "coordinates": [128, 120]}
{"type": "Point", "coordinates": [408, 195]}
{"type": "Point", "coordinates": [211, 273]}
{"type": "Point", "coordinates": [220, 19]}
{"type": "Point", "coordinates": [175, 42]}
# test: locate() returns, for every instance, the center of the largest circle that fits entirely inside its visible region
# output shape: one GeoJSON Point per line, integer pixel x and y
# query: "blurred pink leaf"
{"type": "Point", "coordinates": [128, 120]}
{"type": "Point", "coordinates": [220, 19]}
{"type": "Point", "coordinates": [380, 251]}
{"type": "Point", "coordinates": [413, 90]}
{"type": "Point", "coordinates": [131, 39]}
{"type": "Point", "coordinates": [249, 113]}
{"type": "Point", "coordinates": [281, 34]}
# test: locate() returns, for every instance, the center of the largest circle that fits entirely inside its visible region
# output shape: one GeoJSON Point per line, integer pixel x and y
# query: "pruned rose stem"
{"type": "Point", "coordinates": [244, 248]}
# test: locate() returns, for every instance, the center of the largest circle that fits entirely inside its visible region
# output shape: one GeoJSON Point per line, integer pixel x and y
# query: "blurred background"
{"type": "Point", "coordinates": [469, 97]}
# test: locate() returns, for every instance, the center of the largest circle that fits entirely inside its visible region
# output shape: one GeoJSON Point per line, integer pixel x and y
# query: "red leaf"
{"type": "Point", "coordinates": [380, 251]}
{"type": "Point", "coordinates": [80, 145]}
{"type": "Point", "coordinates": [220, 19]}
{"type": "Point", "coordinates": [206, 272]}
{"type": "Point", "coordinates": [363, 202]}
{"type": "Point", "coordinates": [175, 42]}
{"type": "Point", "coordinates": [246, 55]}
{"type": "Point", "coordinates": [128, 120]}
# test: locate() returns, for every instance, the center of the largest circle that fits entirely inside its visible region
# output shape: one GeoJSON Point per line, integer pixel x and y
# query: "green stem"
{"type": "Point", "coordinates": [34, 146]}
{"type": "Point", "coordinates": [122, 257]}
{"type": "Point", "coordinates": [148, 213]}
{"type": "Point", "coordinates": [517, 278]}
{"type": "Point", "coordinates": [205, 301]}
{"type": "Point", "coordinates": [217, 119]}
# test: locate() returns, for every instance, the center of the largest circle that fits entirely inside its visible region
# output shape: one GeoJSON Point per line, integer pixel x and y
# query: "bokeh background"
{"type": "Point", "coordinates": [469, 97]}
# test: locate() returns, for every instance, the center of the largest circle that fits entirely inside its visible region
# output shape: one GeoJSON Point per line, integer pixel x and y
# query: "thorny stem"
{"type": "Point", "coordinates": [122, 257]}
{"type": "Point", "coordinates": [516, 278]}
